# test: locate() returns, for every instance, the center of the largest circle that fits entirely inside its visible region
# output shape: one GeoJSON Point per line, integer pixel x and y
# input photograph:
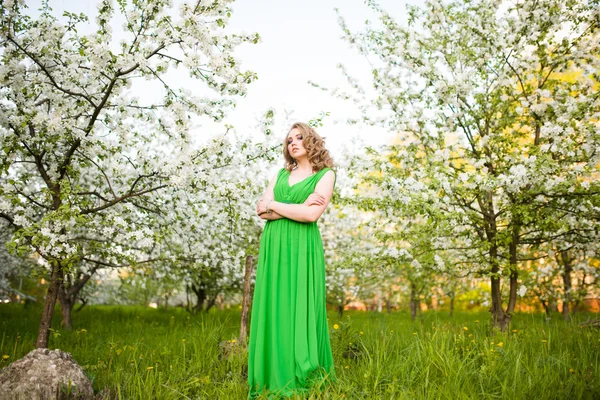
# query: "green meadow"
{"type": "Point", "coordinates": [141, 353]}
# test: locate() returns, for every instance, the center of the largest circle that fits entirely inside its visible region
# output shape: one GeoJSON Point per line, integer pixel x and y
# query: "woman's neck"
{"type": "Point", "coordinates": [304, 165]}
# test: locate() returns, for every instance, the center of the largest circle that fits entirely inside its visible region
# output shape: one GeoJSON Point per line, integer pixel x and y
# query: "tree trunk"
{"type": "Point", "coordinates": [200, 295]}
{"type": "Point", "coordinates": [245, 302]}
{"type": "Point", "coordinates": [413, 301]}
{"type": "Point", "coordinates": [546, 307]}
{"type": "Point", "coordinates": [567, 263]}
{"type": "Point", "coordinates": [500, 319]}
{"type": "Point", "coordinates": [388, 303]}
{"type": "Point", "coordinates": [66, 301]}
{"type": "Point", "coordinates": [211, 302]}
{"type": "Point", "coordinates": [451, 304]}
{"type": "Point", "coordinates": [576, 307]}
{"type": "Point", "coordinates": [340, 310]}
{"type": "Point", "coordinates": [83, 303]}
{"type": "Point", "coordinates": [187, 298]}
{"type": "Point", "coordinates": [46, 320]}
{"type": "Point", "coordinates": [68, 292]}
{"type": "Point", "coordinates": [66, 307]}
{"type": "Point", "coordinates": [514, 270]}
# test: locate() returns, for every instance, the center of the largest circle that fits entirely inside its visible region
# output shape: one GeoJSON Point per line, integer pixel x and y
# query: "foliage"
{"type": "Point", "coordinates": [494, 105]}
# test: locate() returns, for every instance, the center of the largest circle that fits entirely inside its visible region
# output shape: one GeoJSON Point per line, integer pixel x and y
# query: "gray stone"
{"type": "Point", "coordinates": [45, 375]}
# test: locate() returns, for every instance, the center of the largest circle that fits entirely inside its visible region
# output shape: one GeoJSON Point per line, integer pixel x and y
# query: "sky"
{"type": "Point", "coordinates": [301, 41]}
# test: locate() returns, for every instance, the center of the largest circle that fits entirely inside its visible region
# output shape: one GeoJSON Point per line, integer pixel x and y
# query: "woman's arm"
{"type": "Point", "coordinates": [266, 197]}
{"type": "Point", "coordinates": [302, 212]}
{"type": "Point", "coordinates": [270, 217]}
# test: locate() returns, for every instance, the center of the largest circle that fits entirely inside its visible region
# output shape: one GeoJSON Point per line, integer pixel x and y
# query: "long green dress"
{"type": "Point", "coordinates": [289, 350]}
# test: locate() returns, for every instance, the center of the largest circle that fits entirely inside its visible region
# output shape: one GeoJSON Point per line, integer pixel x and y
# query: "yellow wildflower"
{"type": "Point", "coordinates": [501, 344]}
{"type": "Point", "coordinates": [571, 370]}
{"type": "Point", "coordinates": [465, 328]}
{"type": "Point", "coordinates": [347, 366]}
{"type": "Point", "coordinates": [544, 341]}
{"type": "Point", "coordinates": [5, 357]}
{"type": "Point", "coordinates": [336, 326]}
{"type": "Point", "coordinates": [361, 333]}
{"type": "Point", "coordinates": [150, 368]}
{"type": "Point", "coordinates": [515, 330]}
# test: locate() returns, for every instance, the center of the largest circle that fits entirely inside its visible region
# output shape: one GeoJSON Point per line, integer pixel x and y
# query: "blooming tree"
{"type": "Point", "coordinates": [86, 166]}
{"type": "Point", "coordinates": [496, 149]}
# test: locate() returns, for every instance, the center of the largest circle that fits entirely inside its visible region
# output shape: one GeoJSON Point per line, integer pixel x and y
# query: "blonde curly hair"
{"type": "Point", "coordinates": [318, 155]}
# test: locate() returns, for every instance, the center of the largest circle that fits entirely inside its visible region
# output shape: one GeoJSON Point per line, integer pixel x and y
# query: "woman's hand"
{"type": "Point", "coordinates": [261, 207]}
{"type": "Point", "coordinates": [315, 199]}
{"type": "Point", "coordinates": [258, 206]}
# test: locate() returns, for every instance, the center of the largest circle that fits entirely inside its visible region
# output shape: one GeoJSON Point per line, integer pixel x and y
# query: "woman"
{"type": "Point", "coordinates": [289, 347]}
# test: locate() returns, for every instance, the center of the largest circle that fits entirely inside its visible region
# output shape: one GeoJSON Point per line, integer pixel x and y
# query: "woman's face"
{"type": "Point", "coordinates": [294, 144]}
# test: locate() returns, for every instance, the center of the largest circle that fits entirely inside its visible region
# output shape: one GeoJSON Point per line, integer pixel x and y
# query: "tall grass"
{"type": "Point", "coordinates": [139, 353]}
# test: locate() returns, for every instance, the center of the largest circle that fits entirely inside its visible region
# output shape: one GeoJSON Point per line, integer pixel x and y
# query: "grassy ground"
{"type": "Point", "coordinates": [140, 353]}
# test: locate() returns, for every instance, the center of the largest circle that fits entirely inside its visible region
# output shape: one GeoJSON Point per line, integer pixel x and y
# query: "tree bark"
{"type": "Point", "coordinates": [451, 304]}
{"type": "Point", "coordinates": [66, 308]}
{"type": "Point", "coordinates": [567, 262]}
{"type": "Point", "coordinates": [83, 303]}
{"type": "Point", "coordinates": [200, 296]}
{"type": "Point", "coordinates": [211, 302]}
{"type": "Point", "coordinates": [245, 302]}
{"type": "Point", "coordinates": [500, 319]}
{"type": "Point", "coordinates": [68, 292]}
{"type": "Point", "coordinates": [514, 269]}
{"type": "Point", "coordinates": [546, 307]}
{"type": "Point", "coordinates": [46, 320]}
{"type": "Point", "coordinates": [413, 301]}
{"type": "Point", "coordinates": [188, 307]}
{"type": "Point", "coordinates": [388, 303]}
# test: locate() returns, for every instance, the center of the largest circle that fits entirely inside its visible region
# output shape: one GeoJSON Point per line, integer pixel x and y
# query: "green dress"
{"type": "Point", "coordinates": [289, 350]}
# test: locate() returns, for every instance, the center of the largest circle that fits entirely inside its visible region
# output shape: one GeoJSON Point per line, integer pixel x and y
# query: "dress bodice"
{"type": "Point", "coordinates": [298, 192]}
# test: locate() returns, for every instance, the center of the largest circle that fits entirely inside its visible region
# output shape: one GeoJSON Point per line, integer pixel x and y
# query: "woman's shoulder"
{"type": "Point", "coordinates": [326, 170]}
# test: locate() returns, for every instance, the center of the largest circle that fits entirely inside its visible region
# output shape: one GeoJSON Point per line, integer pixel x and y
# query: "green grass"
{"type": "Point", "coordinates": [140, 353]}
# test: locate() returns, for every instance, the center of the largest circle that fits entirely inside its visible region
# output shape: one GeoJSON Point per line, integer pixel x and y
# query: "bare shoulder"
{"type": "Point", "coordinates": [325, 185]}
{"type": "Point", "coordinates": [328, 177]}
{"type": "Point", "coordinates": [330, 174]}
